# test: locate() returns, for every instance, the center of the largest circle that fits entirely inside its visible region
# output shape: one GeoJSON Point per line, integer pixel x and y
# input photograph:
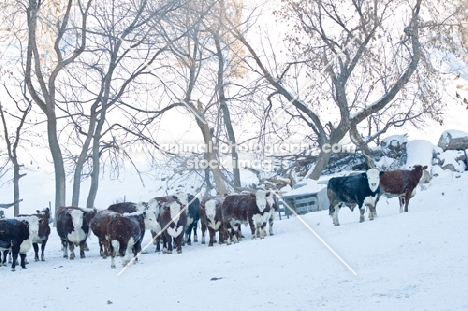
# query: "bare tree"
{"type": "Point", "coordinates": [360, 60]}
{"type": "Point", "coordinates": [12, 143]}
{"type": "Point", "coordinates": [41, 74]}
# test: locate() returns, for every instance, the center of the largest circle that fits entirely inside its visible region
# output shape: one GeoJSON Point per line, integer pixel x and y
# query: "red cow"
{"type": "Point", "coordinates": [244, 209]}
{"type": "Point", "coordinates": [401, 183]}
{"type": "Point", "coordinates": [212, 218]}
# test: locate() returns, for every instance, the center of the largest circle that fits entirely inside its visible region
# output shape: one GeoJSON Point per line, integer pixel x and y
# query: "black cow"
{"type": "Point", "coordinates": [16, 235]}
{"type": "Point", "coordinates": [354, 190]}
{"type": "Point", "coordinates": [193, 215]}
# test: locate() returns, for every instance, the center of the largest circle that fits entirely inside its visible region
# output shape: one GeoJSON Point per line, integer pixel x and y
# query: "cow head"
{"type": "Point", "coordinates": [261, 199]}
{"type": "Point", "coordinates": [44, 228]}
{"type": "Point", "coordinates": [33, 222]}
{"type": "Point", "coordinates": [174, 209]}
{"type": "Point", "coordinates": [153, 205]}
{"type": "Point", "coordinates": [151, 222]}
{"type": "Point", "coordinates": [210, 210]}
{"type": "Point", "coordinates": [182, 197]}
{"type": "Point", "coordinates": [373, 178]}
{"type": "Point", "coordinates": [77, 218]}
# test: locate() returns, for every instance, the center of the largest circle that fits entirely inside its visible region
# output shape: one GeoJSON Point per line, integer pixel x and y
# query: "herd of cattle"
{"type": "Point", "coordinates": [172, 219]}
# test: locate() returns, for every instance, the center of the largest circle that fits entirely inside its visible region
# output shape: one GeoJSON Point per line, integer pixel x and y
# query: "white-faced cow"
{"type": "Point", "coordinates": [361, 189]}
{"type": "Point", "coordinates": [211, 217]}
{"type": "Point", "coordinates": [401, 184]}
{"type": "Point", "coordinates": [43, 232]}
{"type": "Point", "coordinates": [125, 233]}
{"type": "Point", "coordinates": [247, 209]}
{"type": "Point", "coordinates": [173, 219]}
{"type": "Point", "coordinates": [73, 228]}
{"type": "Point", "coordinates": [17, 235]}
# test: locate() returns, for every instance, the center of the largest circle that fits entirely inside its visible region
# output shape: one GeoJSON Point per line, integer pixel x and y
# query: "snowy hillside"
{"type": "Point", "coordinates": [409, 261]}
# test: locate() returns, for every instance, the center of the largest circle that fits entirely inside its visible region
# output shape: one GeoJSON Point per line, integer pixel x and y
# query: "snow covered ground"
{"type": "Point", "coordinates": [409, 261]}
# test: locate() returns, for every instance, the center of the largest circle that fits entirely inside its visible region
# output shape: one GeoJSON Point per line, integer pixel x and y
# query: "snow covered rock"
{"type": "Point", "coordinates": [453, 160]}
{"type": "Point", "coordinates": [394, 146]}
{"type": "Point", "coordinates": [453, 140]}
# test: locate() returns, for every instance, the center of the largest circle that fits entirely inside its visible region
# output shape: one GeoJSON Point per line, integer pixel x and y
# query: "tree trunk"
{"type": "Point", "coordinates": [359, 142]}
{"type": "Point", "coordinates": [212, 158]}
{"type": "Point", "coordinates": [226, 114]}
{"type": "Point", "coordinates": [96, 160]}
{"type": "Point", "coordinates": [60, 178]}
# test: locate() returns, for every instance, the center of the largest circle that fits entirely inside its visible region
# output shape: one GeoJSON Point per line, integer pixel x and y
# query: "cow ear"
{"type": "Point", "coordinates": [425, 167]}
{"type": "Point", "coordinates": [268, 194]}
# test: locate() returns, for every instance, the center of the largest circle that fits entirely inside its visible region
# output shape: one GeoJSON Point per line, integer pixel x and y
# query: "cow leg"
{"type": "Point", "coordinates": [23, 260]}
{"type": "Point", "coordinates": [271, 220]}
{"type": "Point", "coordinates": [221, 234]}
{"type": "Point", "coordinates": [44, 242]}
{"type": "Point", "coordinates": [113, 245]}
{"type": "Point", "coordinates": [72, 252]}
{"type": "Point", "coordinates": [167, 243]}
{"type": "Point", "coordinates": [195, 237]}
{"type": "Point", "coordinates": [334, 209]}
{"type": "Point", "coordinates": [156, 240]}
{"type": "Point", "coordinates": [407, 198]}
{"type": "Point", "coordinates": [65, 249]}
{"type": "Point", "coordinates": [203, 230]}
{"type": "Point", "coordinates": [179, 240]}
{"type": "Point", "coordinates": [83, 247]}
{"type": "Point", "coordinates": [36, 251]}
{"type": "Point", "coordinates": [15, 250]}
{"type": "Point", "coordinates": [362, 218]}
{"type": "Point", "coordinates": [188, 232]}
{"type": "Point", "coordinates": [212, 235]}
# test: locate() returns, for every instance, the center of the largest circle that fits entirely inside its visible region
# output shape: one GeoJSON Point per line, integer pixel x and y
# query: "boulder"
{"type": "Point", "coordinates": [453, 140]}
{"type": "Point", "coordinates": [394, 146]}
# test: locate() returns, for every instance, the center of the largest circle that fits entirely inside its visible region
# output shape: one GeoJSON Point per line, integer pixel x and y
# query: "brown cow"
{"type": "Point", "coordinates": [212, 218]}
{"type": "Point", "coordinates": [401, 183]}
{"type": "Point", "coordinates": [160, 201]}
{"type": "Point", "coordinates": [125, 233]}
{"type": "Point", "coordinates": [99, 226]}
{"type": "Point", "coordinates": [244, 209]}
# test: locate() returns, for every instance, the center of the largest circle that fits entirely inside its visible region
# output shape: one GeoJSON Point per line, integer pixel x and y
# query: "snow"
{"type": "Point", "coordinates": [454, 134]}
{"type": "Point", "coordinates": [307, 186]}
{"type": "Point", "coordinates": [420, 152]}
{"type": "Point", "coordinates": [403, 261]}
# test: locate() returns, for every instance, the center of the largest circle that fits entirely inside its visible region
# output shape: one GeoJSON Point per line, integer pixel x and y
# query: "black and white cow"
{"type": "Point", "coordinates": [73, 228]}
{"type": "Point", "coordinates": [272, 202]}
{"type": "Point", "coordinates": [125, 233]}
{"type": "Point", "coordinates": [17, 235]}
{"type": "Point", "coordinates": [361, 189]}
{"type": "Point", "coordinates": [192, 205]}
